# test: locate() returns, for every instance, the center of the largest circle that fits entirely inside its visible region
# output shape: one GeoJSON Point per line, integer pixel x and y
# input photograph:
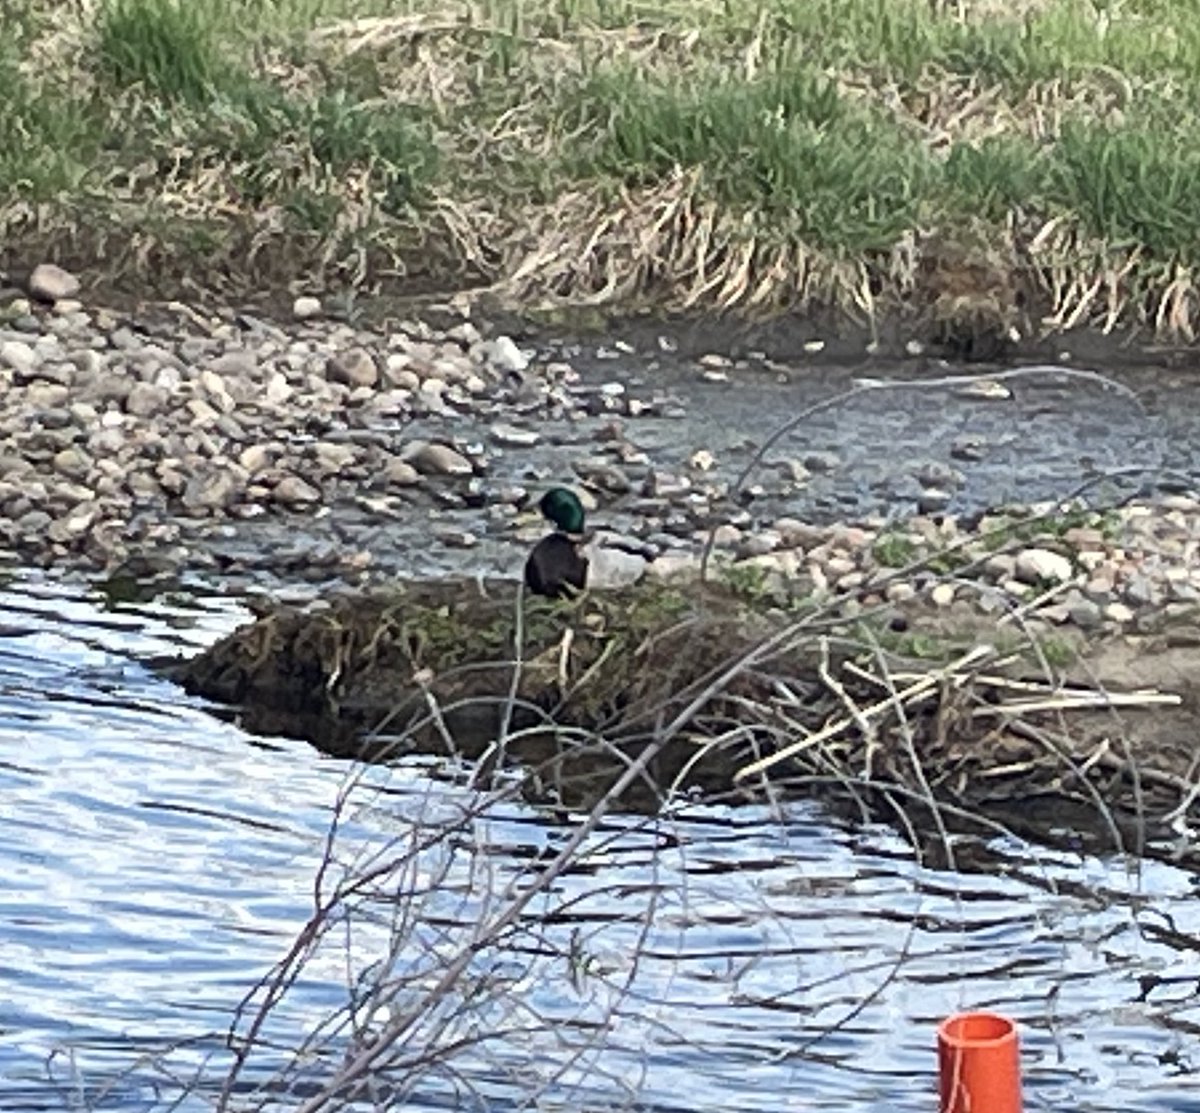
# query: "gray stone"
{"type": "Point", "coordinates": [239, 363]}
{"type": "Point", "coordinates": [145, 400]}
{"type": "Point", "coordinates": [821, 461]}
{"type": "Point", "coordinates": [18, 356]}
{"type": "Point", "coordinates": [293, 491]}
{"type": "Point", "coordinates": [504, 355]}
{"type": "Point", "coordinates": [400, 473]}
{"type": "Point", "coordinates": [354, 367]}
{"type": "Point", "coordinates": [49, 283]}
{"type": "Point", "coordinates": [436, 459]}
{"type": "Point", "coordinates": [209, 492]}
{"type": "Point", "coordinates": [454, 538]}
{"type": "Point", "coordinates": [73, 463]}
{"type": "Point", "coordinates": [1140, 591]}
{"type": "Point", "coordinates": [511, 436]}
{"type": "Point", "coordinates": [933, 500]}
{"type": "Point", "coordinates": [1084, 613]}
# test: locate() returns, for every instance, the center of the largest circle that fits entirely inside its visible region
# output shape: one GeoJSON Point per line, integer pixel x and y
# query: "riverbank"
{"type": "Point", "coordinates": [983, 173]}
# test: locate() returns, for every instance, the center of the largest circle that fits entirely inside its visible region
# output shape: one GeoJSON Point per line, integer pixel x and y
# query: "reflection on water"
{"type": "Point", "coordinates": [154, 866]}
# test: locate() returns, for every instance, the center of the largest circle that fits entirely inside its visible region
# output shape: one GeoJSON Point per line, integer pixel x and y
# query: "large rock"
{"type": "Point", "coordinates": [50, 283]}
{"type": "Point", "coordinates": [354, 367]}
{"type": "Point", "coordinates": [1036, 566]}
{"type": "Point", "coordinates": [436, 459]}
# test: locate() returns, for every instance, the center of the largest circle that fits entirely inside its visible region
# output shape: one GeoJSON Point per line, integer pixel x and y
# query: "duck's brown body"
{"type": "Point", "coordinates": [556, 568]}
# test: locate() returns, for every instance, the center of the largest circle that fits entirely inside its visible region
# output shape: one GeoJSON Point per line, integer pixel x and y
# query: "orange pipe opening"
{"type": "Point", "coordinates": [979, 1064]}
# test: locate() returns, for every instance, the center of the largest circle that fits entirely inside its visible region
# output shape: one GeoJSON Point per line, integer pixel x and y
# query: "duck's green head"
{"type": "Point", "coordinates": [563, 508]}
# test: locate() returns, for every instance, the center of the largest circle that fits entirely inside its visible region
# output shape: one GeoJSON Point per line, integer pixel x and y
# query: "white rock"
{"type": "Point", "coordinates": [48, 282]}
{"type": "Point", "coordinates": [504, 355]}
{"type": "Point", "coordinates": [1118, 612]}
{"type": "Point", "coordinates": [306, 307]}
{"type": "Point", "coordinates": [18, 356]}
{"type": "Point", "coordinates": [1042, 566]}
{"type": "Point", "coordinates": [942, 595]}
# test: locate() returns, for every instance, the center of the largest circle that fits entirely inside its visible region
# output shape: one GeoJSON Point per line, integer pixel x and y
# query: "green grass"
{"type": "Point", "coordinates": [741, 150]}
{"type": "Point", "coordinates": [167, 48]}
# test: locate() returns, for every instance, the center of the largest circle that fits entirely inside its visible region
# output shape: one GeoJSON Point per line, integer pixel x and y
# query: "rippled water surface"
{"type": "Point", "coordinates": [155, 862]}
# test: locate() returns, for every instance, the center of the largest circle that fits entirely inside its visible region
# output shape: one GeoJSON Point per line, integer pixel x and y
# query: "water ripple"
{"type": "Point", "coordinates": [154, 865]}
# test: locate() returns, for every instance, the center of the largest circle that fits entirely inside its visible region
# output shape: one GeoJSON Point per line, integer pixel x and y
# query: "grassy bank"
{"type": "Point", "coordinates": [979, 164]}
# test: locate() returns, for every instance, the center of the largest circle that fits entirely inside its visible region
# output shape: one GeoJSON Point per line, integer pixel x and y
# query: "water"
{"type": "Point", "coordinates": [156, 862]}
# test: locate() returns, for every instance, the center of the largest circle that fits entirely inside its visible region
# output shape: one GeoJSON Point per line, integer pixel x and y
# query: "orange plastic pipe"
{"type": "Point", "coordinates": [979, 1064]}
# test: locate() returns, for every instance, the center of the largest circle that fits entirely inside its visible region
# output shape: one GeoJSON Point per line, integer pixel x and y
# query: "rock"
{"type": "Point", "coordinates": [436, 459]}
{"type": "Point", "coordinates": [306, 307]}
{"type": "Point", "coordinates": [510, 436]}
{"type": "Point", "coordinates": [1035, 566]}
{"type": "Point", "coordinates": [968, 448]}
{"type": "Point", "coordinates": [254, 458]}
{"type": "Point", "coordinates": [334, 457]}
{"type": "Point", "coordinates": [19, 357]}
{"type": "Point", "coordinates": [354, 367]}
{"type": "Point", "coordinates": [796, 534]}
{"type": "Point", "coordinates": [702, 460]}
{"type": "Point", "coordinates": [821, 461]}
{"type": "Point", "coordinates": [663, 485]}
{"type": "Point", "coordinates": [504, 355]}
{"type": "Point", "coordinates": [292, 491]}
{"type": "Point", "coordinates": [279, 390]}
{"type": "Point", "coordinates": [934, 473]}
{"type": "Point", "coordinates": [603, 476]}
{"type": "Point", "coordinates": [49, 283]}
{"type": "Point", "coordinates": [73, 463]}
{"type": "Point", "coordinates": [454, 538]}
{"type": "Point", "coordinates": [400, 473]}
{"type": "Point", "coordinates": [900, 593]}
{"type": "Point", "coordinates": [1140, 591]}
{"type": "Point", "coordinates": [1084, 613]}
{"type": "Point", "coordinates": [933, 500]}
{"type": "Point", "coordinates": [674, 565]}
{"type": "Point", "coordinates": [1118, 612]}
{"type": "Point", "coordinates": [760, 543]}
{"type": "Point", "coordinates": [237, 363]}
{"type": "Point", "coordinates": [207, 493]}
{"type": "Point", "coordinates": [145, 399]}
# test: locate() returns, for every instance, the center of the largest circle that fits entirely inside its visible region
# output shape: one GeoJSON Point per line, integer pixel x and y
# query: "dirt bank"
{"type": "Point", "coordinates": [729, 698]}
{"type": "Point", "coordinates": [962, 169]}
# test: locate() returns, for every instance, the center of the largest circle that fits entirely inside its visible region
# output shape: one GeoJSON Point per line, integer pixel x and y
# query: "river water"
{"type": "Point", "coordinates": [156, 861]}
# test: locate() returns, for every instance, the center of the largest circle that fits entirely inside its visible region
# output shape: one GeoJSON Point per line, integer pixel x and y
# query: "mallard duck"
{"type": "Point", "coordinates": [566, 561]}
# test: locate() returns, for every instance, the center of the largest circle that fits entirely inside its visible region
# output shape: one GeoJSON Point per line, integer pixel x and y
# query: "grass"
{"type": "Point", "coordinates": [975, 160]}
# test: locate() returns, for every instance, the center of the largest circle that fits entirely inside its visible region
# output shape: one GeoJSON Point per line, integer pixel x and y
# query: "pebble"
{"type": "Point", "coordinates": [942, 595]}
{"type": "Point", "coordinates": [306, 307]}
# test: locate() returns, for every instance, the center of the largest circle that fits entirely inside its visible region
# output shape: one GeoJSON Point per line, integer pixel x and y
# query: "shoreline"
{"type": "Point", "coordinates": [310, 461]}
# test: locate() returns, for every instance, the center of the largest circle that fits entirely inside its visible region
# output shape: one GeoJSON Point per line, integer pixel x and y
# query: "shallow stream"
{"type": "Point", "coordinates": [156, 861]}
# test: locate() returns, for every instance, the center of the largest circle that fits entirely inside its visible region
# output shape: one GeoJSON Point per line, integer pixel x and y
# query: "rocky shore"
{"type": "Point", "coordinates": [173, 444]}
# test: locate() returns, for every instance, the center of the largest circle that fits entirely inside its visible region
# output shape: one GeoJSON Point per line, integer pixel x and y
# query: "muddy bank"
{"type": "Point", "coordinates": [730, 697]}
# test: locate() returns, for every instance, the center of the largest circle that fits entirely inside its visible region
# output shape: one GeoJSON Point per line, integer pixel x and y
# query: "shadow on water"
{"type": "Point", "coordinates": [154, 866]}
